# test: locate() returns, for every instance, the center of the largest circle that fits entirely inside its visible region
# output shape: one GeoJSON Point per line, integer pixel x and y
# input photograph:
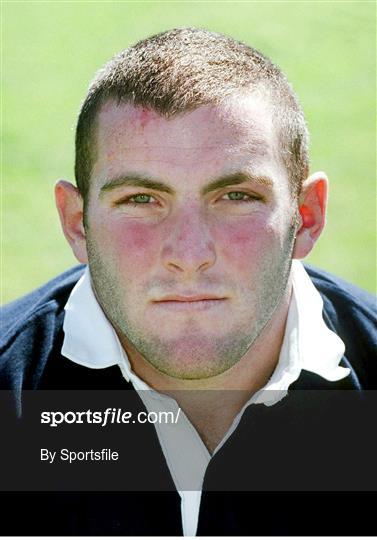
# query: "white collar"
{"type": "Point", "coordinates": [308, 343]}
{"type": "Point", "coordinates": [91, 341]}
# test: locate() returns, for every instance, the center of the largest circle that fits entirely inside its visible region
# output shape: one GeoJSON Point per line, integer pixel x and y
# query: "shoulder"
{"type": "Point", "coordinates": [352, 314]}
{"type": "Point", "coordinates": [341, 292]}
{"type": "Point", "coordinates": [53, 293]}
{"type": "Point", "coordinates": [29, 324]}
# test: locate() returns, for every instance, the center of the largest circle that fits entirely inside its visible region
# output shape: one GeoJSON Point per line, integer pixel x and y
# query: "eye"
{"type": "Point", "coordinates": [239, 196]}
{"type": "Point", "coordinates": [143, 205]}
{"type": "Point", "coordinates": [140, 198]}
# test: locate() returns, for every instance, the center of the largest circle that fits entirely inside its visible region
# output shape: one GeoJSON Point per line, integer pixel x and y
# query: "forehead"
{"type": "Point", "coordinates": [233, 133]}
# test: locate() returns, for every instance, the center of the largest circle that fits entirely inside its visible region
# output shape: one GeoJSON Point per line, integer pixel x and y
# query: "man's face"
{"type": "Point", "coordinates": [190, 231]}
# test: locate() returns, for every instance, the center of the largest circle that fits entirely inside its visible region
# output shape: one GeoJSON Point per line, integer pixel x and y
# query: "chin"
{"type": "Point", "coordinates": [195, 359]}
{"type": "Point", "coordinates": [190, 352]}
{"type": "Point", "coordinates": [192, 370]}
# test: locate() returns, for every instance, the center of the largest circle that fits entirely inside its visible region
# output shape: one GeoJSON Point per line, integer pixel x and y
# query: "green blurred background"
{"type": "Point", "coordinates": [52, 49]}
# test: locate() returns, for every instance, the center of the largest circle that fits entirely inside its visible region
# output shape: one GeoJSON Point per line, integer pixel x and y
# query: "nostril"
{"type": "Point", "coordinates": [175, 267]}
{"type": "Point", "coordinates": [189, 260]}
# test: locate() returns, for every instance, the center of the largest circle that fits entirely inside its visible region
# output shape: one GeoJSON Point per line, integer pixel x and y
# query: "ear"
{"type": "Point", "coordinates": [70, 207]}
{"type": "Point", "coordinates": [312, 209]}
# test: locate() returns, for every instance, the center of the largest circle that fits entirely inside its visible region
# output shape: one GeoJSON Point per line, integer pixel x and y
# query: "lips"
{"type": "Point", "coordinates": [190, 298]}
{"type": "Point", "coordinates": [190, 302]}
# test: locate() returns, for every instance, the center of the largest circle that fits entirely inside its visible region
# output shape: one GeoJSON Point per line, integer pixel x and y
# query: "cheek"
{"type": "Point", "coordinates": [246, 243]}
{"type": "Point", "coordinates": [133, 245]}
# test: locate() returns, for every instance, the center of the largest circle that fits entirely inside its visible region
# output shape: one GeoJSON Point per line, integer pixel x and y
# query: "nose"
{"type": "Point", "coordinates": [189, 247]}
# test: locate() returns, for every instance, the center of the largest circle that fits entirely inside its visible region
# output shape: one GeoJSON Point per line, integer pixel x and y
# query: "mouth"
{"type": "Point", "coordinates": [197, 302]}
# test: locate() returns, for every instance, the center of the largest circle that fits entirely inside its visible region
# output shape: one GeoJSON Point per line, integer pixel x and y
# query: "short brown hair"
{"type": "Point", "coordinates": [179, 70]}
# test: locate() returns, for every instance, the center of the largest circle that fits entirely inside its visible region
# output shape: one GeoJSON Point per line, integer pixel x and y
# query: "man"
{"type": "Point", "coordinates": [193, 207]}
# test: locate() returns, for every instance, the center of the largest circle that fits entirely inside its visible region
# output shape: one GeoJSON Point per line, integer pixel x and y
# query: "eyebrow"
{"type": "Point", "coordinates": [234, 179]}
{"type": "Point", "coordinates": [136, 180]}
